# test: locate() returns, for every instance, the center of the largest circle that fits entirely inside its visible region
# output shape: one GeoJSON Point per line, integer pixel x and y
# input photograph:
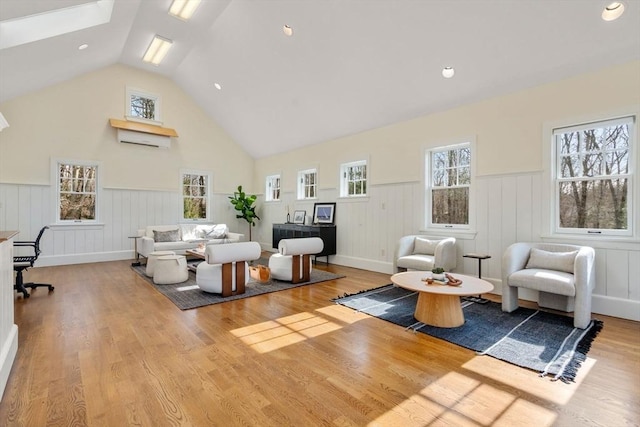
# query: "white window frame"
{"type": "Point", "coordinates": [428, 179]}
{"type": "Point", "coordinates": [304, 188]}
{"type": "Point", "coordinates": [270, 182]}
{"type": "Point", "coordinates": [206, 197]}
{"type": "Point", "coordinates": [344, 180]}
{"type": "Point", "coordinates": [554, 159]}
{"type": "Point", "coordinates": [55, 180]}
{"type": "Point", "coordinates": [157, 110]}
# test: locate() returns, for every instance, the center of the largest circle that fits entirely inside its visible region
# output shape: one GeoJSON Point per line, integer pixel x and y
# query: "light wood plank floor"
{"type": "Point", "coordinates": [106, 349]}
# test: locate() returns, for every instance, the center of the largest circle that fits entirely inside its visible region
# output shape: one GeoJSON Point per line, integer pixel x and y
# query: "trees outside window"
{"type": "Point", "coordinates": [448, 186]}
{"type": "Point", "coordinates": [195, 195]}
{"type": "Point", "coordinates": [143, 106]}
{"type": "Point", "coordinates": [353, 181]}
{"type": "Point", "coordinates": [307, 184]}
{"type": "Point", "coordinates": [593, 177]}
{"type": "Point", "coordinates": [272, 188]}
{"type": "Point", "coordinates": [76, 191]}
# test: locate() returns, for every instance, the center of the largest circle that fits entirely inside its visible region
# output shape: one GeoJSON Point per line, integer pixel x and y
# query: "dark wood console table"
{"type": "Point", "coordinates": [295, 231]}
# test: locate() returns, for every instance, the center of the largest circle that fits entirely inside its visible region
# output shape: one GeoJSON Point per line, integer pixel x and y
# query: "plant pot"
{"type": "Point", "coordinates": [439, 277]}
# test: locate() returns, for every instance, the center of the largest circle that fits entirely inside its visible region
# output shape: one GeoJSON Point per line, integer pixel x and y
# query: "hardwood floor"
{"type": "Point", "coordinates": [106, 349]}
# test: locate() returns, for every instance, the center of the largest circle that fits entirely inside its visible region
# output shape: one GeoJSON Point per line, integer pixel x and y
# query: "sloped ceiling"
{"type": "Point", "coordinates": [351, 65]}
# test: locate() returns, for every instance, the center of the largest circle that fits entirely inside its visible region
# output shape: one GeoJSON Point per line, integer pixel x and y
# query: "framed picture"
{"type": "Point", "coordinates": [324, 213]}
{"type": "Point", "coordinates": [298, 217]}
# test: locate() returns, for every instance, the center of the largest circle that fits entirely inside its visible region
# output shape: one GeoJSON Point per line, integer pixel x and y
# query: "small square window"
{"type": "Point", "coordinates": [143, 106]}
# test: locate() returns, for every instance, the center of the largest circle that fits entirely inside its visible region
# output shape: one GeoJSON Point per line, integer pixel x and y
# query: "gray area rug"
{"type": "Point", "coordinates": [188, 295]}
{"type": "Point", "coordinates": [544, 342]}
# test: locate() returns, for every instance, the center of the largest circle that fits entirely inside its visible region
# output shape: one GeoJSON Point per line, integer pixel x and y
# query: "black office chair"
{"type": "Point", "coordinates": [22, 262]}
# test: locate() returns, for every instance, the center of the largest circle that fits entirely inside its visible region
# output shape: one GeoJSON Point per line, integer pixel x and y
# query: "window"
{"type": "Point", "coordinates": [195, 195]}
{"type": "Point", "coordinates": [448, 186]}
{"type": "Point", "coordinates": [593, 177]}
{"type": "Point", "coordinates": [143, 106]}
{"type": "Point", "coordinates": [307, 184]}
{"type": "Point", "coordinates": [77, 185]}
{"type": "Point", "coordinates": [272, 189]}
{"type": "Point", "coordinates": [354, 179]}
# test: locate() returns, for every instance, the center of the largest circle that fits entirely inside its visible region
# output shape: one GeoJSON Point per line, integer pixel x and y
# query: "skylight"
{"type": "Point", "coordinates": [19, 31]}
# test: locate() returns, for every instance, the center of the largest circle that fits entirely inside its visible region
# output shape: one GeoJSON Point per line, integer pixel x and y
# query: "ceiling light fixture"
{"type": "Point", "coordinates": [157, 50]}
{"type": "Point", "coordinates": [83, 46]}
{"type": "Point", "coordinates": [183, 9]}
{"type": "Point", "coordinates": [448, 72]}
{"type": "Point", "coordinates": [287, 30]}
{"type": "Point", "coordinates": [613, 11]}
{"type": "Point", "coordinates": [217, 86]}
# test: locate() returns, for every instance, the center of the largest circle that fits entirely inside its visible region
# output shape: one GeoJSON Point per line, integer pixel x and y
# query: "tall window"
{"type": "Point", "coordinates": [76, 191]}
{"type": "Point", "coordinates": [307, 184]}
{"type": "Point", "coordinates": [195, 195]}
{"type": "Point", "coordinates": [353, 181]}
{"type": "Point", "coordinates": [272, 188]}
{"type": "Point", "coordinates": [593, 177]}
{"type": "Point", "coordinates": [448, 186]}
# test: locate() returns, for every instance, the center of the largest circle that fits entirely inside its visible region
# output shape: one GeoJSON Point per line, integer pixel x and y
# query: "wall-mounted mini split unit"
{"type": "Point", "coordinates": [143, 138]}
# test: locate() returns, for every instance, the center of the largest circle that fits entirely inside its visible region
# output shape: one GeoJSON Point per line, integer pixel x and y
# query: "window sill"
{"type": "Point", "coordinates": [78, 226]}
{"type": "Point", "coordinates": [600, 242]}
{"type": "Point", "coordinates": [451, 232]}
{"type": "Point", "coordinates": [351, 199]}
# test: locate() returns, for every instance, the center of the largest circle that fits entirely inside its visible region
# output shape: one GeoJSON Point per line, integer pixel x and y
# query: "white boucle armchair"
{"type": "Point", "coordinates": [418, 252]}
{"type": "Point", "coordinates": [563, 275]}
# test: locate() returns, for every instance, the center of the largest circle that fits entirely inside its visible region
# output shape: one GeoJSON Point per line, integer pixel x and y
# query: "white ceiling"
{"type": "Point", "coordinates": [350, 66]}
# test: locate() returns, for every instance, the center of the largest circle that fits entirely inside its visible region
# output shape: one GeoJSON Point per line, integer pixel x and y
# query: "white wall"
{"type": "Point", "coordinates": [508, 132]}
{"type": "Point", "coordinates": [142, 188]}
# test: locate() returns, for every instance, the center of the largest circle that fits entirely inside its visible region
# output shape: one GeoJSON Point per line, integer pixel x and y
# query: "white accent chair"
{"type": "Point", "coordinates": [563, 275]}
{"type": "Point", "coordinates": [225, 270]}
{"type": "Point", "coordinates": [419, 252]}
{"type": "Point", "coordinates": [293, 262]}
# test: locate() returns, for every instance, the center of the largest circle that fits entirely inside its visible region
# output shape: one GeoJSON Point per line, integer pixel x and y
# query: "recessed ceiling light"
{"type": "Point", "coordinates": [157, 50]}
{"type": "Point", "coordinates": [287, 30]}
{"type": "Point", "coordinates": [217, 86]}
{"type": "Point", "coordinates": [448, 72]}
{"type": "Point", "coordinates": [83, 46]}
{"type": "Point", "coordinates": [613, 11]}
{"type": "Point", "coordinates": [183, 9]}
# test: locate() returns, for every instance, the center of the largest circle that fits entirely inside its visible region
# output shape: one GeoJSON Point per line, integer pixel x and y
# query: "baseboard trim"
{"type": "Point", "coordinates": [7, 357]}
{"type": "Point", "coordinates": [53, 260]}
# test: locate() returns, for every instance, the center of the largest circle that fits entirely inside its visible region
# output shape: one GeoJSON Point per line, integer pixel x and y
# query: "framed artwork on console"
{"type": "Point", "coordinates": [298, 217]}
{"type": "Point", "coordinates": [324, 213]}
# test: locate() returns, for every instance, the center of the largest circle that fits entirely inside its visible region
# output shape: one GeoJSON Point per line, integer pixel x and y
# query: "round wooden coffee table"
{"type": "Point", "coordinates": [439, 305]}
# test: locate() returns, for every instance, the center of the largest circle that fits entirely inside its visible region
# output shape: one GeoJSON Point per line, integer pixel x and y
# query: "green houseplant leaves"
{"type": "Point", "coordinates": [244, 204]}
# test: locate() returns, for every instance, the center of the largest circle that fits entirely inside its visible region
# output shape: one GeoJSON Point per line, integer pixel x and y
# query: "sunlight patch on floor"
{"type": "Point", "coordinates": [343, 314]}
{"type": "Point", "coordinates": [553, 391]}
{"type": "Point", "coordinates": [274, 334]}
{"type": "Point", "coordinates": [457, 399]}
{"type": "Point", "coordinates": [187, 288]}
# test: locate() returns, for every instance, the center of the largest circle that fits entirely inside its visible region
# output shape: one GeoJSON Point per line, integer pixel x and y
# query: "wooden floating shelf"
{"type": "Point", "coordinates": [142, 127]}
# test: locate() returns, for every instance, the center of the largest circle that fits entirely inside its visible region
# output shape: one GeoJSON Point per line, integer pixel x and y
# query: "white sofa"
{"type": "Point", "coordinates": [181, 237]}
{"type": "Point", "coordinates": [418, 252]}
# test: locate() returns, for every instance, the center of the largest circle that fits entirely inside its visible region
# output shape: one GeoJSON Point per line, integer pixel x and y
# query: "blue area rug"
{"type": "Point", "coordinates": [544, 342]}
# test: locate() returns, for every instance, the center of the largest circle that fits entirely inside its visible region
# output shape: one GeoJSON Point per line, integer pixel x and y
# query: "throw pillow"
{"type": "Point", "coordinates": [424, 246]}
{"type": "Point", "coordinates": [166, 236]}
{"type": "Point", "coordinates": [558, 261]}
{"type": "Point", "coordinates": [219, 232]}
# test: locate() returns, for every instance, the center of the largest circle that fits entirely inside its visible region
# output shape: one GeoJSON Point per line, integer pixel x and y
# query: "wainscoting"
{"type": "Point", "coordinates": [507, 210]}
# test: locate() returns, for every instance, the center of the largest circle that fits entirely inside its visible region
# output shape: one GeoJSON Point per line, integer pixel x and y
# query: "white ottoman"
{"type": "Point", "coordinates": [151, 260]}
{"type": "Point", "coordinates": [280, 266]}
{"type": "Point", "coordinates": [170, 269]}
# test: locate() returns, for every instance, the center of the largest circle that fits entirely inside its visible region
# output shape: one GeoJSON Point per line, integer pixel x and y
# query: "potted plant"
{"type": "Point", "coordinates": [244, 204]}
{"type": "Point", "coordinates": [438, 273]}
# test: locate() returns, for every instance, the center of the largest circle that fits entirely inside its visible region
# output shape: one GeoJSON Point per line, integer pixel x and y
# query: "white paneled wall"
{"type": "Point", "coordinates": [507, 210]}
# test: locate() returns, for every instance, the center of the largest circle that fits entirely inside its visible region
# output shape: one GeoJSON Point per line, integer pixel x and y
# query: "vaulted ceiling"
{"type": "Point", "coordinates": [350, 66]}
